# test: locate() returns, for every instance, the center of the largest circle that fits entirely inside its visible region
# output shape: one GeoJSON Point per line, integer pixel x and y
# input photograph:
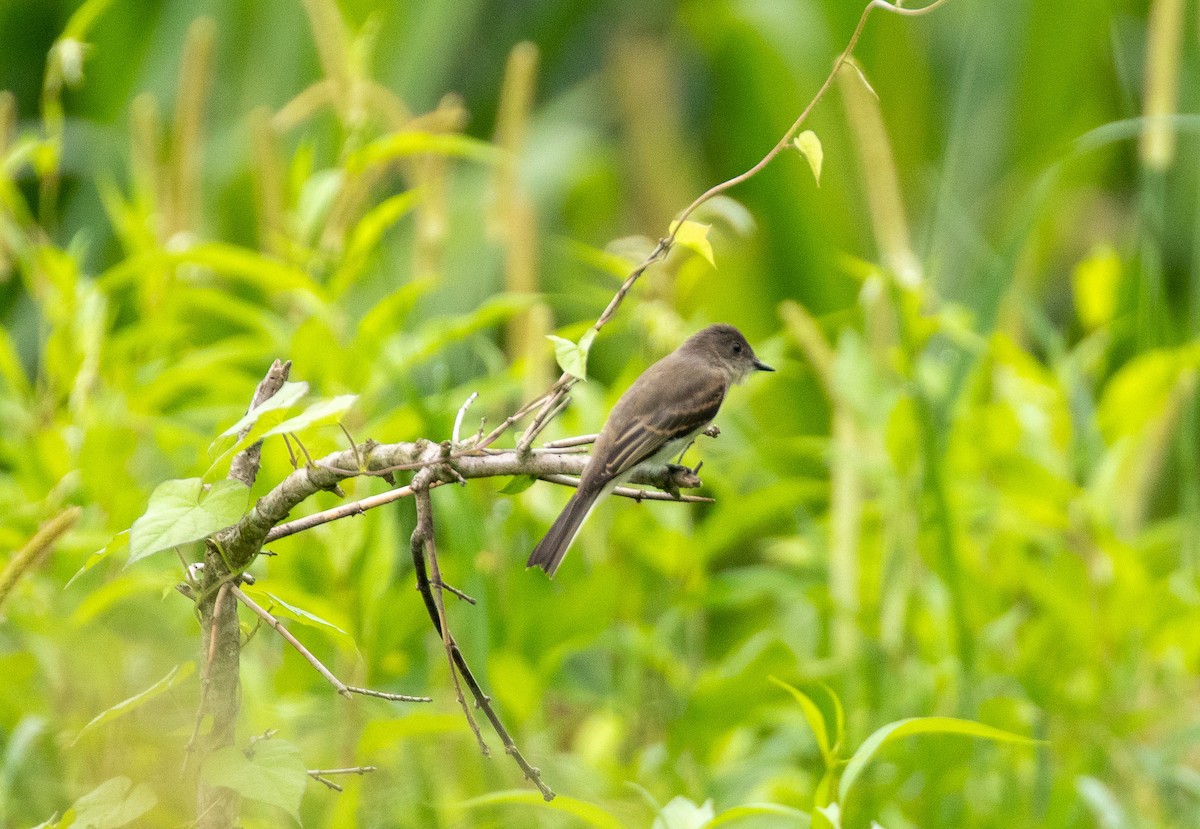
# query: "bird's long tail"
{"type": "Point", "coordinates": [549, 552]}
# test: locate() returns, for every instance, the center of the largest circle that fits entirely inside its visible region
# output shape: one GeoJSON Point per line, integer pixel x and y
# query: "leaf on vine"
{"type": "Point", "coordinates": [810, 147]}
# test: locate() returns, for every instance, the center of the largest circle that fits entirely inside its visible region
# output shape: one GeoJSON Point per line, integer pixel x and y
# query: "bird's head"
{"type": "Point", "coordinates": [724, 346]}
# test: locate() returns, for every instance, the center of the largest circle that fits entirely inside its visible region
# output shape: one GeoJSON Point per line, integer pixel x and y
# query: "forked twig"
{"type": "Point", "coordinates": [422, 543]}
{"type": "Point", "coordinates": [346, 691]}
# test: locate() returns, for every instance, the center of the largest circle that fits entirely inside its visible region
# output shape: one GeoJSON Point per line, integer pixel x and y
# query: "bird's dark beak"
{"type": "Point", "coordinates": [761, 366]}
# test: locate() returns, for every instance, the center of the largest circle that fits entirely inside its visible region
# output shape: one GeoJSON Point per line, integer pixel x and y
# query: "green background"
{"type": "Point", "coordinates": [971, 489]}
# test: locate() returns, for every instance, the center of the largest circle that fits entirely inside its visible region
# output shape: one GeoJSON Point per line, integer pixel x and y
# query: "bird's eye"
{"type": "Point", "coordinates": [737, 348]}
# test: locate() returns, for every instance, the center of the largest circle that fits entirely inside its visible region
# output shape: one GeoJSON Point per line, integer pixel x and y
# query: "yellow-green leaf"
{"type": "Point", "coordinates": [270, 772]}
{"type": "Point", "coordinates": [177, 674]}
{"type": "Point", "coordinates": [572, 357]}
{"type": "Point", "coordinates": [321, 413]}
{"type": "Point", "coordinates": [112, 804]}
{"type": "Point", "coordinates": [186, 510]}
{"type": "Point", "coordinates": [694, 236]}
{"type": "Point", "coordinates": [1095, 281]}
{"type": "Point", "coordinates": [810, 147]}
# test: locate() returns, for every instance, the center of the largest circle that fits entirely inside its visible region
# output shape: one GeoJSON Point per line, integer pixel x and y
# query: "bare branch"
{"type": "Point", "coordinates": [345, 690]}
{"type": "Point", "coordinates": [320, 775]}
{"type": "Point", "coordinates": [633, 492]}
{"type": "Point", "coordinates": [549, 466]}
{"type": "Point", "coordinates": [421, 544]}
{"type": "Point", "coordinates": [423, 536]}
{"type": "Point", "coordinates": [244, 466]}
{"type": "Point", "coordinates": [566, 443]}
{"type": "Point", "coordinates": [458, 418]}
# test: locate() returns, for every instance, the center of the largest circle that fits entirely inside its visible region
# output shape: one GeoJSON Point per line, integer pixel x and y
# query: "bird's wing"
{"type": "Point", "coordinates": [686, 402]}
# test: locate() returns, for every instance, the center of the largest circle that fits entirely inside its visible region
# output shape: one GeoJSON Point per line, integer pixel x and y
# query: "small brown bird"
{"type": "Point", "coordinates": [664, 409]}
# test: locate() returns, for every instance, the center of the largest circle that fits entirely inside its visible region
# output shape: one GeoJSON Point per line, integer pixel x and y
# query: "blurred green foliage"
{"type": "Point", "coordinates": [972, 489]}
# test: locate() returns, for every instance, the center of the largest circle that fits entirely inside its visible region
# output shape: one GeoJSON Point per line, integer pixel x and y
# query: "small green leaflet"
{"type": "Point", "coordinates": [273, 773]}
{"type": "Point", "coordinates": [694, 236]}
{"type": "Point", "coordinates": [815, 719]}
{"type": "Point", "coordinates": [517, 484]}
{"type": "Point", "coordinates": [186, 510]}
{"type": "Point", "coordinates": [810, 147]}
{"type": "Point", "coordinates": [289, 395]}
{"type": "Point", "coordinates": [918, 725]}
{"type": "Point", "coordinates": [321, 413]}
{"type": "Point", "coordinates": [827, 817]}
{"type": "Point", "coordinates": [572, 357]}
{"type": "Point", "coordinates": [119, 543]}
{"type": "Point", "coordinates": [271, 412]}
{"type": "Point", "coordinates": [112, 804]}
{"type": "Point", "coordinates": [177, 675]}
{"type": "Point", "coordinates": [298, 614]}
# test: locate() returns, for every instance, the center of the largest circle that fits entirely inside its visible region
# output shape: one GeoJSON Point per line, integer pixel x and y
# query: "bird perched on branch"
{"type": "Point", "coordinates": [657, 417]}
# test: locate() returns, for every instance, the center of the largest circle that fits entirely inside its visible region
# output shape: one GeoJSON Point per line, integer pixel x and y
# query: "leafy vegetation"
{"type": "Point", "coordinates": [951, 576]}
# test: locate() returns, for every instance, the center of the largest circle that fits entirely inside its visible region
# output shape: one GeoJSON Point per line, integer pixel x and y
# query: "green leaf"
{"type": "Point", "coordinates": [177, 675]}
{"type": "Point", "coordinates": [589, 813]}
{"type": "Point", "coordinates": [517, 484]}
{"type": "Point", "coordinates": [273, 411]}
{"type": "Point", "coordinates": [839, 718]}
{"type": "Point", "coordinates": [398, 145]}
{"type": "Point", "coordinates": [681, 813]}
{"type": "Point", "coordinates": [119, 543]}
{"type": "Point", "coordinates": [365, 236]}
{"type": "Point", "coordinates": [694, 236]}
{"type": "Point", "coordinates": [1096, 280]}
{"type": "Point", "coordinates": [300, 615]}
{"type": "Point", "coordinates": [572, 357]}
{"type": "Point", "coordinates": [113, 803]}
{"type": "Point", "coordinates": [827, 817]}
{"type": "Point", "coordinates": [755, 810]}
{"type": "Point", "coordinates": [918, 725]}
{"type": "Point", "coordinates": [814, 717]}
{"type": "Point", "coordinates": [1140, 392]}
{"type": "Point", "coordinates": [186, 510]}
{"type": "Point", "coordinates": [249, 267]}
{"type": "Point", "coordinates": [289, 395]}
{"type": "Point", "coordinates": [810, 147]}
{"type": "Point", "coordinates": [321, 413]}
{"type": "Point", "coordinates": [270, 772]}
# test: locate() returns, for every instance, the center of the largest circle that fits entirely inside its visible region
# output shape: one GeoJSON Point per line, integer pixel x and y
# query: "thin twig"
{"type": "Point", "coordinates": [423, 535]}
{"type": "Point", "coordinates": [452, 589]}
{"type": "Point", "coordinates": [633, 492]}
{"type": "Point", "coordinates": [542, 420]}
{"type": "Point", "coordinates": [458, 418]}
{"type": "Point", "coordinates": [482, 700]}
{"type": "Point", "coordinates": [371, 692]}
{"type": "Point", "coordinates": [359, 770]}
{"type": "Point", "coordinates": [345, 690]}
{"type": "Point", "coordinates": [566, 443]}
{"type": "Point", "coordinates": [343, 511]}
{"type": "Point", "coordinates": [244, 466]}
{"type": "Point", "coordinates": [329, 784]}
{"type": "Point", "coordinates": [320, 775]}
